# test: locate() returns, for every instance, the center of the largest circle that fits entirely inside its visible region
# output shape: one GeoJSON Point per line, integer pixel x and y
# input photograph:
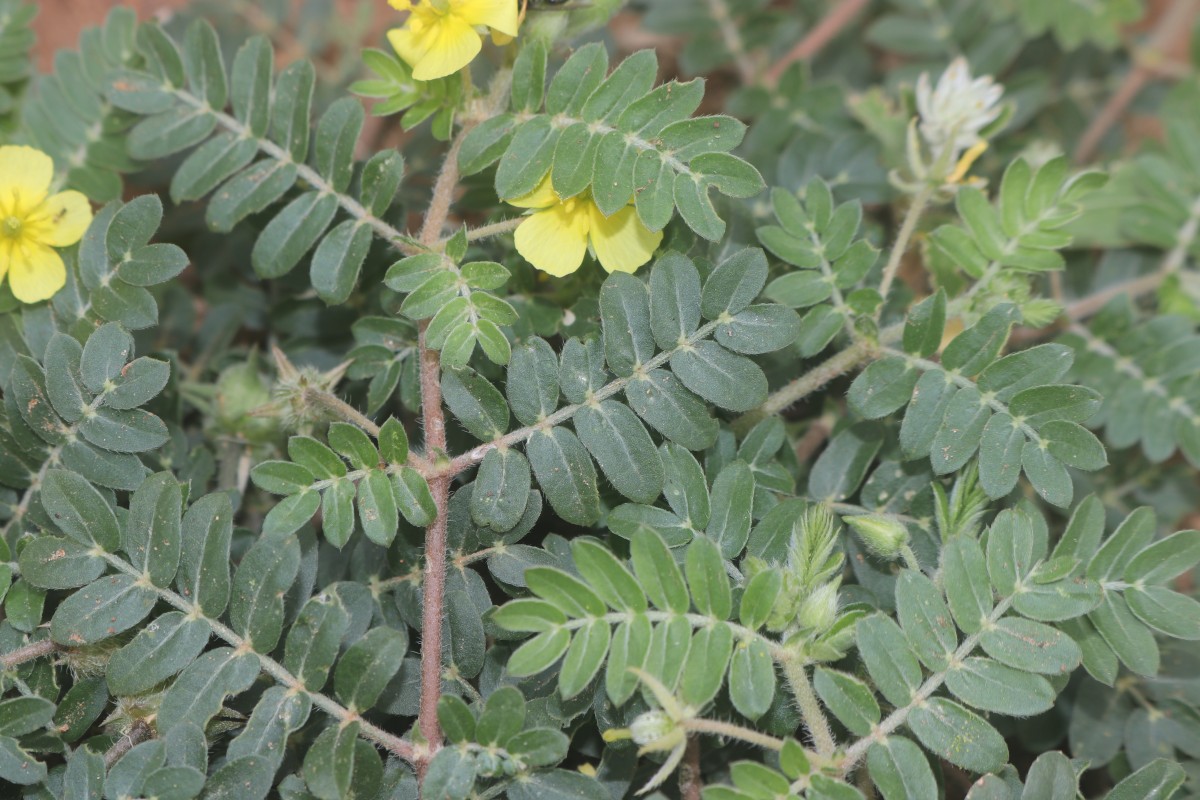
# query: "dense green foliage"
{"type": "Point", "coordinates": [869, 484]}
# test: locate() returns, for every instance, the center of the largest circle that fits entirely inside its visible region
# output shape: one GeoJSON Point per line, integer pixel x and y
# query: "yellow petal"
{"type": "Point", "coordinates": [500, 15]}
{"type": "Point", "coordinates": [451, 44]}
{"type": "Point", "coordinates": [621, 242]}
{"type": "Point", "coordinates": [553, 240]}
{"type": "Point", "coordinates": [25, 176]}
{"type": "Point", "coordinates": [543, 196]}
{"type": "Point", "coordinates": [401, 5]}
{"type": "Point", "coordinates": [61, 220]}
{"type": "Point", "coordinates": [35, 273]}
{"type": "Point", "coordinates": [408, 45]}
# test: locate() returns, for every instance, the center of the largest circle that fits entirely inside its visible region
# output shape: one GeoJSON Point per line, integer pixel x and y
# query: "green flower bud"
{"type": "Point", "coordinates": [819, 609]}
{"type": "Point", "coordinates": [651, 726]}
{"type": "Point", "coordinates": [240, 390]}
{"type": "Point", "coordinates": [787, 604]}
{"type": "Point", "coordinates": [883, 536]}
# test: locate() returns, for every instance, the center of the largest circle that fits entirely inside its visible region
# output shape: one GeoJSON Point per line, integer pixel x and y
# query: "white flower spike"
{"type": "Point", "coordinates": [957, 109]}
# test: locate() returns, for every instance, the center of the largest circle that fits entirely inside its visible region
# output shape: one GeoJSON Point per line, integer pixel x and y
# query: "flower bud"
{"type": "Point", "coordinates": [883, 536]}
{"type": "Point", "coordinates": [786, 604]}
{"type": "Point", "coordinates": [651, 726]}
{"type": "Point", "coordinates": [819, 609]}
{"type": "Point", "coordinates": [240, 390]}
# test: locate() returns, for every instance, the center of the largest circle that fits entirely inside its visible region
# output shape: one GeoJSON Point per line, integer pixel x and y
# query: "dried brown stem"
{"type": "Point", "coordinates": [822, 34]}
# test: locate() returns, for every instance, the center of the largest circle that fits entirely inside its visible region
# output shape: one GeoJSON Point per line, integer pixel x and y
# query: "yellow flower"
{"type": "Point", "coordinates": [558, 233]}
{"type": "Point", "coordinates": [440, 37]}
{"type": "Point", "coordinates": [32, 222]}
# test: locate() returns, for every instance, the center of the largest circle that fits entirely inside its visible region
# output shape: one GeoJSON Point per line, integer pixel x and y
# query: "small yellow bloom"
{"type": "Point", "coordinates": [440, 37]}
{"type": "Point", "coordinates": [558, 233]}
{"type": "Point", "coordinates": [32, 222]}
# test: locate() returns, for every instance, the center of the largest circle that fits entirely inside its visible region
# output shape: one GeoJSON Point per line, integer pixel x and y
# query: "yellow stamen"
{"type": "Point", "coordinates": [964, 163]}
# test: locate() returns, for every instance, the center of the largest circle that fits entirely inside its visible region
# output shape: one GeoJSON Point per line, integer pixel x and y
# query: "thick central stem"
{"type": "Point", "coordinates": [439, 485]}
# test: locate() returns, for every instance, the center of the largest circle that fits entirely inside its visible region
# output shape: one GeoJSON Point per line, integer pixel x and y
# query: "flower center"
{"type": "Point", "coordinates": [11, 227]}
{"type": "Point", "coordinates": [441, 6]}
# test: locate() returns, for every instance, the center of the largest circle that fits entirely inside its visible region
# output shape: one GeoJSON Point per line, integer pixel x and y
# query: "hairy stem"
{"type": "Point", "coordinates": [897, 718]}
{"type": "Point", "coordinates": [472, 457]}
{"type": "Point", "coordinates": [730, 731]}
{"type": "Point", "coordinates": [1174, 260]}
{"type": "Point", "coordinates": [398, 239]}
{"type": "Point", "coordinates": [852, 357]}
{"type": "Point", "coordinates": [373, 733]}
{"type": "Point", "coordinates": [434, 420]}
{"type": "Point", "coordinates": [907, 228]}
{"type": "Point", "coordinates": [28, 652]}
{"type": "Point", "coordinates": [492, 229]}
{"type": "Point", "coordinates": [810, 708]}
{"type": "Point", "coordinates": [340, 408]}
{"type": "Point", "coordinates": [139, 732]}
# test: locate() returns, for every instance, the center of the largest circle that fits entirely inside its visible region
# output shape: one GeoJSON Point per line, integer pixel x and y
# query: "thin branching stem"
{"type": "Point", "coordinates": [369, 731]}
{"type": "Point", "coordinates": [474, 456]}
{"type": "Point", "coordinates": [881, 731]}
{"type": "Point", "coordinates": [340, 408]}
{"type": "Point", "coordinates": [825, 31]}
{"type": "Point", "coordinates": [1173, 26]}
{"type": "Point", "coordinates": [491, 229]}
{"type": "Point", "coordinates": [907, 228]}
{"type": "Point", "coordinates": [401, 241]}
{"type": "Point", "coordinates": [728, 730]}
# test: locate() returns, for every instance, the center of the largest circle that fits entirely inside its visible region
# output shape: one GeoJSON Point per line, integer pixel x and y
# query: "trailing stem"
{"type": "Point", "coordinates": [28, 652]}
{"type": "Point", "coordinates": [856, 751]}
{"type": "Point", "coordinates": [434, 420]}
{"type": "Point", "coordinates": [907, 228]}
{"type": "Point", "coordinates": [373, 733]}
{"type": "Point", "coordinates": [810, 707]}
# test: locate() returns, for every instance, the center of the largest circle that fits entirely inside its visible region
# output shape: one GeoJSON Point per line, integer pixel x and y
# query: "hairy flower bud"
{"type": "Point", "coordinates": [819, 609]}
{"type": "Point", "coordinates": [883, 536]}
{"type": "Point", "coordinates": [240, 390]}
{"type": "Point", "coordinates": [651, 726]}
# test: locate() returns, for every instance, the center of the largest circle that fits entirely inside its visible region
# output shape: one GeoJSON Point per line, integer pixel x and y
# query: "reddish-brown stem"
{"type": "Point", "coordinates": [690, 783]}
{"type": "Point", "coordinates": [434, 420]}
{"type": "Point", "coordinates": [822, 34]}
{"type": "Point", "coordinates": [1175, 24]}
{"type": "Point", "coordinates": [28, 653]}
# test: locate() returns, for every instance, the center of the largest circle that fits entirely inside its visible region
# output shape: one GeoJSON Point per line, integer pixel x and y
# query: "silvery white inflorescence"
{"type": "Point", "coordinates": [957, 109]}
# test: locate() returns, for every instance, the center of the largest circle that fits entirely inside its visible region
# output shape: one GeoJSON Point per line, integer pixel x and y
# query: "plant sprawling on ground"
{"type": "Point", "coordinates": [805, 407]}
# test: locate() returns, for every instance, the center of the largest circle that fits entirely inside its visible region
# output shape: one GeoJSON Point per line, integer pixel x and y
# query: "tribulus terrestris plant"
{"type": "Point", "coordinates": [807, 406]}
